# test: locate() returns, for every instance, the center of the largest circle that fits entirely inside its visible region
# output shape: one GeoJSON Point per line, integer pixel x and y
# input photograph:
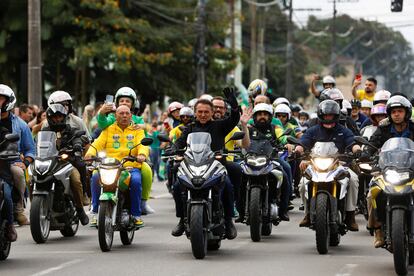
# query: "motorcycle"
{"type": "Point", "coordinates": [365, 169]}
{"type": "Point", "coordinates": [53, 204]}
{"type": "Point", "coordinates": [393, 199]}
{"type": "Point", "coordinates": [114, 202]}
{"type": "Point", "coordinates": [202, 177]}
{"type": "Point", "coordinates": [326, 188]}
{"type": "Point", "coordinates": [6, 155]}
{"type": "Point", "coordinates": [258, 169]}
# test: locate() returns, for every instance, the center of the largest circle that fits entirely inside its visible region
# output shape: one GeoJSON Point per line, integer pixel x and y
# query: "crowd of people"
{"type": "Point", "coordinates": [115, 126]}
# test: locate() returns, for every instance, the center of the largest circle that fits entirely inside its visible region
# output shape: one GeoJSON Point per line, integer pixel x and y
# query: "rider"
{"type": "Point", "coordinates": [257, 87]}
{"type": "Point", "coordinates": [57, 118]}
{"type": "Point", "coordinates": [106, 117]}
{"type": "Point", "coordinates": [262, 128]}
{"type": "Point", "coordinates": [399, 125]}
{"type": "Point", "coordinates": [26, 147]}
{"type": "Point", "coordinates": [329, 130]}
{"type": "Point", "coordinates": [76, 123]}
{"type": "Point", "coordinates": [6, 176]}
{"type": "Point", "coordinates": [186, 117]}
{"type": "Point", "coordinates": [366, 107]}
{"type": "Point", "coordinates": [378, 113]}
{"type": "Point", "coordinates": [174, 113]}
{"type": "Point", "coordinates": [356, 115]}
{"type": "Point", "coordinates": [117, 140]}
{"type": "Point", "coordinates": [218, 130]}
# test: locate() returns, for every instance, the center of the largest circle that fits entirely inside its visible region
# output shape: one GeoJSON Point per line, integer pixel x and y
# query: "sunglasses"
{"type": "Point", "coordinates": [281, 115]}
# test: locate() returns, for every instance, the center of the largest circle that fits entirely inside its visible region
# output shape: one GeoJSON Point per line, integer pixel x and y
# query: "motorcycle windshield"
{"type": "Point", "coordinates": [46, 144]}
{"type": "Point", "coordinates": [260, 147]}
{"type": "Point", "coordinates": [198, 146]}
{"type": "Point", "coordinates": [368, 131]}
{"type": "Point", "coordinates": [397, 152]}
{"type": "Point", "coordinates": [324, 149]}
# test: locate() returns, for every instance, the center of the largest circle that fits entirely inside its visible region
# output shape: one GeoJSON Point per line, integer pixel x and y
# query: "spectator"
{"type": "Point", "coordinates": [26, 113]}
{"type": "Point", "coordinates": [40, 118]}
{"type": "Point", "coordinates": [368, 92]}
{"type": "Point", "coordinates": [87, 116]}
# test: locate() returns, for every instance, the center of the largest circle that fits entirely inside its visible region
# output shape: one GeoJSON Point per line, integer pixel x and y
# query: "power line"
{"type": "Point", "coordinates": [258, 4]}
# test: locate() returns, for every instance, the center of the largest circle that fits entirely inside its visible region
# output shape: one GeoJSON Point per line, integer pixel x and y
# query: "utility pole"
{"type": "Point", "coordinates": [289, 53]}
{"type": "Point", "coordinates": [253, 44]}
{"type": "Point", "coordinates": [201, 56]}
{"type": "Point", "coordinates": [35, 54]}
{"type": "Point", "coordinates": [333, 45]}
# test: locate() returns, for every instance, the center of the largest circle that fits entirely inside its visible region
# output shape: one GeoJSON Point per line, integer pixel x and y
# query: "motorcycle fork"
{"type": "Point", "coordinates": [388, 221]}
{"type": "Point", "coordinates": [411, 210]}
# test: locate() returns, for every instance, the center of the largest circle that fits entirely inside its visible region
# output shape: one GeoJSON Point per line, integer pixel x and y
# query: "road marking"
{"type": "Point", "coordinates": [55, 268]}
{"type": "Point", "coordinates": [63, 252]}
{"type": "Point", "coordinates": [346, 270]}
{"type": "Point", "coordinates": [166, 195]}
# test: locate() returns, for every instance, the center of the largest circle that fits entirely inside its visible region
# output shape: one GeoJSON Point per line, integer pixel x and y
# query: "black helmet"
{"type": "Point", "coordinates": [54, 110]}
{"type": "Point", "coordinates": [295, 108]}
{"type": "Point", "coordinates": [355, 102]}
{"type": "Point", "coordinates": [304, 113]}
{"type": "Point", "coordinates": [328, 107]}
{"type": "Point", "coordinates": [399, 101]}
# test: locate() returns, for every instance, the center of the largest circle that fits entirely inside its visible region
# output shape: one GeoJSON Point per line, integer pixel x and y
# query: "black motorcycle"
{"type": "Point", "coordinates": [260, 171]}
{"type": "Point", "coordinates": [52, 206]}
{"type": "Point", "coordinates": [6, 155]}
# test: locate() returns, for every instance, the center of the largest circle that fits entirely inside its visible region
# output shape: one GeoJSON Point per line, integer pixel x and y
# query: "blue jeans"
{"type": "Point", "coordinates": [155, 155]}
{"type": "Point", "coordinates": [8, 202]}
{"type": "Point", "coordinates": [135, 190]}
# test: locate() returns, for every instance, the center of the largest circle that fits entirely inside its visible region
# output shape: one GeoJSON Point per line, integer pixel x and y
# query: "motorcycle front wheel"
{"type": "Point", "coordinates": [40, 219]}
{"type": "Point", "coordinates": [105, 228]}
{"type": "Point", "coordinates": [255, 214]}
{"type": "Point", "coordinates": [198, 233]}
{"type": "Point", "coordinates": [400, 241]}
{"type": "Point", "coordinates": [127, 236]}
{"type": "Point", "coordinates": [322, 223]}
{"type": "Point", "coordinates": [4, 248]}
{"type": "Point", "coordinates": [71, 229]}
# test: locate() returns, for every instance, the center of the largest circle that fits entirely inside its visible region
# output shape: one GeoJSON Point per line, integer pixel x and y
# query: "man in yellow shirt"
{"type": "Point", "coordinates": [117, 140]}
{"type": "Point", "coordinates": [368, 92]}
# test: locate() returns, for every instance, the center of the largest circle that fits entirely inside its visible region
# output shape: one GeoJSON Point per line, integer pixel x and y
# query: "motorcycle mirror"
{"type": "Point", "coordinates": [12, 137]}
{"type": "Point", "coordinates": [237, 135]}
{"type": "Point", "coordinates": [364, 141]}
{"type": "Point", "coordinates": [163, 138]}
{"type": "Point", "coordinates": [293, 140]}
{"type": "Point", "coordinates": [287, 132]}
{"type": "Point", "coordinates": [79, 133]}
{"type": "Point", "coordinates": [146, 141]}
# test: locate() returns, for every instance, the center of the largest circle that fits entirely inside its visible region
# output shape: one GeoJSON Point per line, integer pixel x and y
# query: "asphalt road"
{"type": "Point", "coordinates": [290, 250]}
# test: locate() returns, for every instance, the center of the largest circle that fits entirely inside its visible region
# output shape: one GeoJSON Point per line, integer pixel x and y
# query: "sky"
{"type": "Point", "coordinates": [378, 10]}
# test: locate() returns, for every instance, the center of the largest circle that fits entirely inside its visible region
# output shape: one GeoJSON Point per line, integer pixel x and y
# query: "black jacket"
{"type": "Point", "coordinates": [65, 136]}
{"type": "Point", "coordinates": [346, 121]}
{"type": "Point", "coordinates": [217, 129]}
{"type": "Point", "coordinates": [382, 134]}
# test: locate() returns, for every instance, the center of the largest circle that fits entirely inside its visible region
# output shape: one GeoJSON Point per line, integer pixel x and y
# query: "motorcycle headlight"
{"type": "Point", "coordinates": [42, 166]}
{"type": "Point", "coordinates": [395, 177]}
{"type": "Point", "coordinates": [198, 171]}
{"type": "Point", "coordinates": [108, 176]}
{"type": "Point", "coordinates": [256, 161]}
{"type": "Point", "coordinates": [323, 163]}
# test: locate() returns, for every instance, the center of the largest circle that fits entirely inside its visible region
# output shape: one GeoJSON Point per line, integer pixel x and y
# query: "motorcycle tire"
{"type": "Point", "coordinates": [105, 228]}
{"type": "Point", "coordinates": [127, 236]}
{"type": "Point", "coordinates": [411, 257]}
{"type": "Point", "coordinates": [322, 223]}
{"type": "Point", "coordinates": [4, 249]}
{"type": "Point", "coordinates": [72, 229]}
{"type": "Point", "coordinates": [39, 219]}
{"type": "Point", "coordinates": [213, 245]}
{"type": "Point", "coordinates": [400, 241]}
{"type": "Point", "coordinates": [267, 229]}
{"type": "Point", "coordinates": [255, 214]}
{"type": "Point", "coordinates": [334, 239]}
{"type": "Point", "coordinates": [198, 233]}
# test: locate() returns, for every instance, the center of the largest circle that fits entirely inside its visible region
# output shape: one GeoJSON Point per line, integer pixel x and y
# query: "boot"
{"type": "Point", "coordinates": [146, 209]}
{"type": "Point", "coordinates": [305, 221]}
{"type": "Point", "coordinates": [11, 233]}
{"type": "Point", "coordinates": [179, 229]}
{"type": "Point", "coordinates": [350, 221]}
{"type": "Point", "coordinates": [378, 238]}
{"type": "Point", "coordinates": [231, 231]}
{"type": "Point", "coordinates": [83, 217]}
{"type": "Point", "coordinates": [21, 219]}
{"type": "Point", "coordinates": [284, 216]}
{"type": "Point", "coordinates": [85, 200]}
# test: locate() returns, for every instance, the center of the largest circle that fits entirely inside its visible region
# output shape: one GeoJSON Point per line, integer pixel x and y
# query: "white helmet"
{"type": "Point", "coordinates": [127, 92]}
{"type": "Point", "coordinates": [186, 111]}
{"type": "Point", "coordinates": [382, 96]}
{"type": "Point", "coordinates": [284, 109]}
{"type": "Point", "coordinates": [346, 107]}
{"type": "Point", "coordinates": [366, 104]}
{"type": "Point", "coordinates": [58, 97]}
{"type": "Point", "coordinates": [257, 87]}
{"type": "Point", "coordinates": [206, 97]}
{"type": "Point", "coordinates": [281, 100]}
{"type": "Point", "coordinates": [263, 107]}
{"type": "Point", "coordinates": [329, 79]}
{"type": "Point", "coordinates": [7, 92]}
{"type": "Point", "coordinates": [192, 102]}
